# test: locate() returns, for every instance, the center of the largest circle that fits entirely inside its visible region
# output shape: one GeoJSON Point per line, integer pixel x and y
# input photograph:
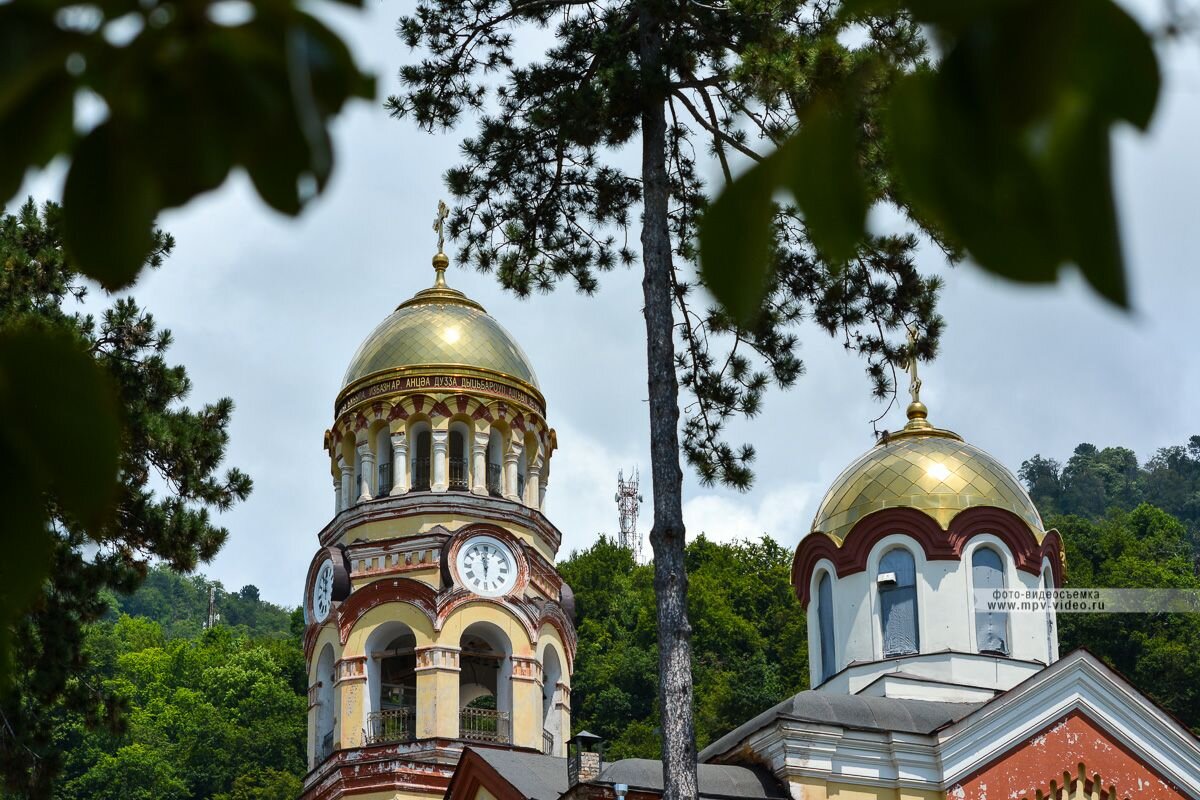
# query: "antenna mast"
{"type": "Point", "coordinates": [214, 616]}
{"type": "Point", "coordinates": [628, 502]}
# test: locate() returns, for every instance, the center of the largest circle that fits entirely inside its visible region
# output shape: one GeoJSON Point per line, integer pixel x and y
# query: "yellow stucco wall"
{"type": "Point", "coordinates": [817, 789]}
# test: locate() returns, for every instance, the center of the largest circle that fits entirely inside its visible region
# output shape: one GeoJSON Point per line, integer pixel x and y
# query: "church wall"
{"type": "Point", "coordinates": [945, 612]}
{"type": "Point", "coordinates": [817, 789]}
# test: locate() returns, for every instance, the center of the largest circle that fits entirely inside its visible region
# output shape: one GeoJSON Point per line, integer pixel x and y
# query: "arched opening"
{"type": "Point", "coordinates": [325, 711]}
{"type": "Point", "coordinates": [522, 471]}
{"type": "Point", "coordinates": [383, 462]}
{"type": "Point", "coordinates": [421, 457]}
{"type": "Point", "coordinates": [460, 471]}
{"type": "Point", "coordinates": [551, 727]}
{"type": "Point", "coordinates": [991, 626]}
{"type": "Point", "coordinates": [495, 461]}
{"type": "Point", "coordinates": [391, 684]}
{"type": "Point", "coordinates": [825, 626]}
{"type": "Point", "coordinates": [485, 685]}
{"type": "Point", "coordinates": [897, 581]}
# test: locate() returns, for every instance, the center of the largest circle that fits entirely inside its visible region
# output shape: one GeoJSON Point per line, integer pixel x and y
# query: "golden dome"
{"type": "Point", "coordinates": [924, 468]}
{"type": "Point", "coordinates": [440, 327]}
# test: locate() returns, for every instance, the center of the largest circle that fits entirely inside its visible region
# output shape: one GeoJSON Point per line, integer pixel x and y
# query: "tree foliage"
{"type": "Point", "coordinates": [1130, 526]}
{"type": "Point", "coordinates": [168, 462]}
{"type": "Point", "coordinates": [1003, 142]}
{"type": "Point", "coordinates": [215, 715]}
{"type": "Point", "coordinates": [750, 643]}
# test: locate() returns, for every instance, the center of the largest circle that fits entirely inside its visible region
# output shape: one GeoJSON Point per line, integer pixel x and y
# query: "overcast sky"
{"type": "Point", "coordinates": [269, 310]}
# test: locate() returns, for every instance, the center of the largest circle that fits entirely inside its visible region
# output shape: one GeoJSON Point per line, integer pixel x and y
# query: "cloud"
{"type": "Point", "coordinates": [784, 513]}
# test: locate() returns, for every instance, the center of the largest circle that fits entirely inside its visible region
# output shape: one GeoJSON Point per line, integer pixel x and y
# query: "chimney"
{"type": "Point", "coordinates": [583, 763]}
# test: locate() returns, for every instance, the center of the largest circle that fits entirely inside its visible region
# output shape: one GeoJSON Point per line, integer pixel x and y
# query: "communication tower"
{"type": "Point", "coordinates": [628, 502]}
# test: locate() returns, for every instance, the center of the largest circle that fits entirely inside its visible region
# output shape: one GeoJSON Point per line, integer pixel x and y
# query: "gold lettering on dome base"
{"type": "Point", "coordinates": [443, 382]}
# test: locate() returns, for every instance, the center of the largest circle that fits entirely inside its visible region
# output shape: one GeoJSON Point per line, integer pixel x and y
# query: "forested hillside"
{"type": "Point", "coordinates": [1130, 525]}
{"type": "Point", "coordinates": [214, 714]}
{"type": "Point", "coordinates": [749, 640]}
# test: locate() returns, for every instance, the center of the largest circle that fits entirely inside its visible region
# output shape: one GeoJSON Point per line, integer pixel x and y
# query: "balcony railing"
{"type": "Point", "coordinates": [547, 742]}
{"type": "Point", "coordinates": [458, 474]}
{"type": "Point", "coordinates": [483, 725]}
{"type": "Point", "coordinates": [385, 480]}
{"type": "Point", "coordinates": [325, 748]}
{"type": "Point", "coordinates": [493, 479]}
{"type": "Point", "coordinates": [421, 474]}
{"type": "Point", "coordinates": [393, 725]}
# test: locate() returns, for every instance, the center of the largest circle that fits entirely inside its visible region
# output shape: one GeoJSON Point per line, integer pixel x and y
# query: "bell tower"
{"type": "Point", "coordinates": [435, 616]}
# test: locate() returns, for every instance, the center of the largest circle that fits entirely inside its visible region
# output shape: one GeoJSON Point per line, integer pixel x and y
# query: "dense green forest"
{"type": "Point", "coordinates": [220, 713]}
{"type": "Point", "coordinates": [217, 713]}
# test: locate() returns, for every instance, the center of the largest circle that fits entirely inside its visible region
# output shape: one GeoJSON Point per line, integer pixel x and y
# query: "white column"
{"type": "Point", "coordinates": [337, 495]}
{"type": "Point", "coordinates": [367, 459]}
{"type": "Point", "coordinates": [542, 493]}
{"type": "Point", "coordinates": [533, 492]}
{"type": "Point", "coordinates": [399, 463]}
{"type": "Point", "coordinates": [347, 483]}
{"type": "Point", "coordinates": [441, 443]}
{"type": "Point", "coordinates": [479, 464]}
{"type": "Point", "coordinates": [510, 473]}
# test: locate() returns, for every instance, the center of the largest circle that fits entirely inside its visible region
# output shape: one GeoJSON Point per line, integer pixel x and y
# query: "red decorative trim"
{"type": "Point", "coordinates": [440, 409]}
{"type": "Point", "coordinates": [377, 769]}
{"type": "Point", "coordinates": [455, 599]}
{"type": "Point", "coordinates": [360, 422]}
{"type": "Point", "coordinates": [554, 616]}
{"type": "Point", "coordinates": [461, 401]}
{"type": "Point", "coordinates": [418, 401]}
{"type": "Point", "coordinates": [483, 412]}
{"type": "Point", "coordinates": [936, 543]}
{"type": "Point", "coordinates": [389, 590]}
{"type": "Point", "coordinates": [398, 412]}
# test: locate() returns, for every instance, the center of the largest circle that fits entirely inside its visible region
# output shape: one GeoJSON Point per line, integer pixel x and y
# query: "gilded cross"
{"type": "Point", "coordinates": [914, 384]}
{"type": "Point", "coordinates": [439, 224]}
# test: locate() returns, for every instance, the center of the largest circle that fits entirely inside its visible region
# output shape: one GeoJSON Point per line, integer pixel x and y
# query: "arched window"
{"type": "Point", "coordinates": [991, 626]}
{"type": "Point", "coordinates": [422, 450]}
{"type": "Point", "coordinates": [495, 463]}
{"type": "Point", "coordinates": [383, 462]}
{"type": "Point", "coordinates": [391, 684]}
{"type": "Point", "coordinates": [825, 626]}
{"type": "Point", "coordinates": [325, 710]}
{"type": "Point", "coordinates": [485, 685]}
{"type": "Point", "coordinates": [551, 675]}
{"type": "Point", "coordinates": [897, 581]}
{"type": "Point", "coordinates": [459, 474]}
{"type": "Point", "coordinates": [1048, 584]}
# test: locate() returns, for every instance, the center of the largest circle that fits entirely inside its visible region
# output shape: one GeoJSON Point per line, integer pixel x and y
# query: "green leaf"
{"type": "Point", "coordinates": [735, 240]}
{"type": "Point", "coordinates": [109, 205]}
{"type": "Point", "coordinates": [59, 439]}
{"type": "Point", "coordinates": [821, 167]}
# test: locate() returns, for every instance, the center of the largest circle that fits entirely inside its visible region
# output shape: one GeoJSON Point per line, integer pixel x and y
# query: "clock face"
{"type": "Point", "coordinates": [322, 592]}
{"type": "Point", "coordinates": [487, 567]}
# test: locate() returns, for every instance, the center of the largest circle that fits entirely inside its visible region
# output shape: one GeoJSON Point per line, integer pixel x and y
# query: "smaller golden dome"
{"type": "Point", "coordinates": [927, 469]}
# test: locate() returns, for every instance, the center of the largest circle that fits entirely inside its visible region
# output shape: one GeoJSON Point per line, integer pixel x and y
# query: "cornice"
{"type": "Point", "coordinates": [446, 504]}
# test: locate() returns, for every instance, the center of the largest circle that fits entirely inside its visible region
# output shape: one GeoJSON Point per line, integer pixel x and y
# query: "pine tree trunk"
{"type": "Point", "coordinates": [667, 534]}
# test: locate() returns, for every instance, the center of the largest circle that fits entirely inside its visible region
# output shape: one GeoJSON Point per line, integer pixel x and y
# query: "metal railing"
{"type": "Point", "coordinates": [493, 479]}
{"type": "Point", "coordinates": [547, 742]}
{"type": "Point", "coordinates": [385, 480]}
{"type": "Point", "coordinates": [420, 474]}
{"type": "Point", "coordinates": [458, 474]}
{"type": "Point", "coordinates": [483, 725]}
{"type": "Point", "coordinates": [325, 748]}
{"type": "Point", "coordinates": [393, 725]}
